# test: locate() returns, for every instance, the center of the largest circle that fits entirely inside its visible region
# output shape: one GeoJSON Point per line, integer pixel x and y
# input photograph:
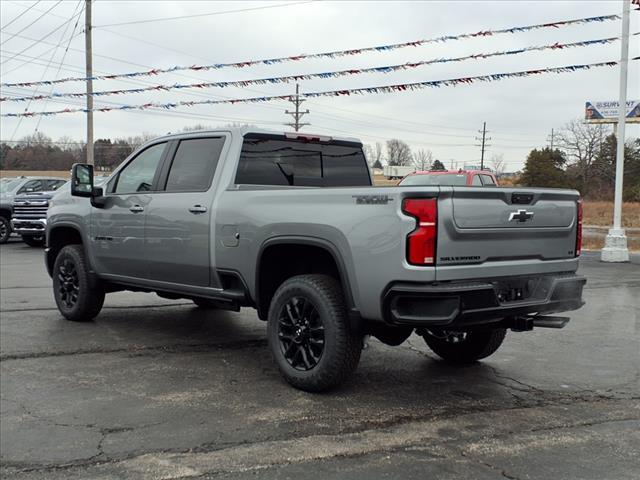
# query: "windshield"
{"type": "Point", "coordinates": [8, 186]}
{"type": "Point", "coordinates": [439, 179]}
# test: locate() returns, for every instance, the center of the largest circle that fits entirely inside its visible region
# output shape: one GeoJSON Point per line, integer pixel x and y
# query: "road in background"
{"type": "Point", "coordinates": [157, 388]}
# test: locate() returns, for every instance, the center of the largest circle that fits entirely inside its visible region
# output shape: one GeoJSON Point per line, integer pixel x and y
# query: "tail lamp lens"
{"type": "Point", "coordinates": [579, 229]}
{"type": "Point", "coordinates": [421, 243]}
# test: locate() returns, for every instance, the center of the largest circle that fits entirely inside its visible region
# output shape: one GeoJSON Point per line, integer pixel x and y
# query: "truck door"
{"type": "Point", "coordinates": [117, 229]}
{"type": "Point", "coordinates": [178, 230]}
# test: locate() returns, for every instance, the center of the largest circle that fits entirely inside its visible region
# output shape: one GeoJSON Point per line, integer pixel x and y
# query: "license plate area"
{"type": "Point", "coordinates": [521, 289]}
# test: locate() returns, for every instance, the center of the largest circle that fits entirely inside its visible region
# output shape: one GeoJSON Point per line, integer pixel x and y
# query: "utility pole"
{"type": "Point", "coordinates": [297, 114]}
{"type": "Point", "coordinates": [552, 138]}
{"type": "Point", "coordinates": [89, 74]}
{"type": "Point", "coordinates": [484, 145]}
{"type": "Point", "coordinates": [615, 244]}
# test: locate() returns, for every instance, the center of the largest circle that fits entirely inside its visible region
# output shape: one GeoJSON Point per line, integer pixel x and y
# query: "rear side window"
{"type": "Point", "coordinates": [54, 184]}
{"type": "Point", "coordinates": [488, 181]}
{"type": "Point", "coordinates": [194, 164]}
{"type": "Point", "coordinates": [275, 161]}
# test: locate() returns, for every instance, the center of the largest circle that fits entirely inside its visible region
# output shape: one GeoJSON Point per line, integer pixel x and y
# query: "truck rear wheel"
{"type": "Point", "coordinates": [76, 298]}
{"type": "Point", "coordinates": [5, 229]}
{"type": "Point", "coordinates": [34, 241]}
{"type": "Point", "coordinates": [309, 334]}
{"type": "Point", "coordinates": [464, 347]}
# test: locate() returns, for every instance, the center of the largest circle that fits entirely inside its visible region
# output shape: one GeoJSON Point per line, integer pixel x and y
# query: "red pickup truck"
{"type": "Point", "coordinates": [451, 177]}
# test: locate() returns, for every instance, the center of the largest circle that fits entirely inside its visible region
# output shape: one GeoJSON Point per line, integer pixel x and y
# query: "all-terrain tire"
{"type": "Point", "coordinates": [34, 241]}
{"type": "Point", "coordinates": [475, 346]}
{"type": "Point", "coordinates": [77, 299]}
{"type": "Point", "coordinates": [321, 296]}
{"type": "Point", "coordinates": [5, 229]}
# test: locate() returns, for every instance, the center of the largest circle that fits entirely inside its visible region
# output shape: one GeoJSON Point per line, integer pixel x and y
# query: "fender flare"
{"type": "Point", "coordinates": [314, 242]}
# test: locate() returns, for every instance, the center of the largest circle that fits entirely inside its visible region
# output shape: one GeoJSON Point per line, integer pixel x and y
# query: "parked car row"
{"type": "Point", "coordinates": [23, 207]}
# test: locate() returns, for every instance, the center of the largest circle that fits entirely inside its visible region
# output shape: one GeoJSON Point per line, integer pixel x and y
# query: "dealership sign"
{"type": "Point", "coordinates": [607, 111]}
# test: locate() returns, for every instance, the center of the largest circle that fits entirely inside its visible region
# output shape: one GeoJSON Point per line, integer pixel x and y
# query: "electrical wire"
{"type": "Point", "coordinates": [36, 41]}
{"type": "Point", "coordinates": [64, 54]}
{"type": "Point", "coordinates": [44, 73]}
{"type": "Point", "coordinates": [20, 15]}
{"type": "Point", "coordinates": [198, 15]}
{"type": "Point", "coordinates": [24, 28]}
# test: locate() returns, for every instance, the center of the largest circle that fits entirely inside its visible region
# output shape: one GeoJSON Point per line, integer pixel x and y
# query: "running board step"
{"type": "Point", "coordinates": [550, 322]}
{"type": "Point", "coordinates": [525, 324]}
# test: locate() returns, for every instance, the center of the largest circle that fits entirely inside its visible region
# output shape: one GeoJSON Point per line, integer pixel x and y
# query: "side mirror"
{"type": "Point", "coordinates": [82, 180]}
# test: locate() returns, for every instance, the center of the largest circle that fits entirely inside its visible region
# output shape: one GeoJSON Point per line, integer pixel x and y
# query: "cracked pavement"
{"type": "Point", "coordinates": [159, 389]}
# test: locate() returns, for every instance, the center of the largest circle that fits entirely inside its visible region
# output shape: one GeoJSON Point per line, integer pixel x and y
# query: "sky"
{"type": "Point", "coordinates": [128, 36]}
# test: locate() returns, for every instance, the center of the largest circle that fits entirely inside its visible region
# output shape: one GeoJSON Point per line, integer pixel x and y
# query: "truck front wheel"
{"type": "Point", "coordinates": [75, 296]}
{"type": "Point", "coordinates": [309, 334]}
{"type": "Point", "coordinates": [464, 347]}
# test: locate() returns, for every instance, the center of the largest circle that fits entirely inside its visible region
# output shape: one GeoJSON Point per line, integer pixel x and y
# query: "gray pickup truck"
{"type": "Point", "coordinates": [290, 225]}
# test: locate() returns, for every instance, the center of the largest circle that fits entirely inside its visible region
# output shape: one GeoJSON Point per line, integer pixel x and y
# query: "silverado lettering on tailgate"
{"type": "Point", "coordinates": [473, 258]}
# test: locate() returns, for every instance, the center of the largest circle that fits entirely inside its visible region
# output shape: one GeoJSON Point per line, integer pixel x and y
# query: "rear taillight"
{"type": "Point", "coordinates": [579, 229]}
{"type": "Point", "coordinates": [421, 243]}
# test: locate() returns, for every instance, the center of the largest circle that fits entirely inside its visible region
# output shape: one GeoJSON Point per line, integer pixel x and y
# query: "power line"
{"type": "Point", "coordinates": [223, 12]}
{"type": "Point", "coordinates": [36, 42]}
{"type": "Point", "coordinates": [46, 69]}
{"type": "Point", "coordinates": [64, 54]}
{"type": "Point", "coordinates": [32, 58]}
{"type": "Point", "coordinates": [20, 15]}
{"type": "Point", "coordinates": [24, 28]}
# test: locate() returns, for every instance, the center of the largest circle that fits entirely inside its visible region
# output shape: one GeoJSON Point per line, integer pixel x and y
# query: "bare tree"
{"type": "Point", "coordinates": [498, 165]}
{"type": "Point", "coordinates": [582, 143]}
{"type": "Point", "coordinates": [378, 155]}
{"type": "Point", "coordinates": [422, 159]}
{"type": "Point", "coordinates": [398, 153]}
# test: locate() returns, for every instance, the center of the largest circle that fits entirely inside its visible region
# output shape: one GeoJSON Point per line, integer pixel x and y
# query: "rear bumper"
{"type": "Point", "coordinates": [477, 303]}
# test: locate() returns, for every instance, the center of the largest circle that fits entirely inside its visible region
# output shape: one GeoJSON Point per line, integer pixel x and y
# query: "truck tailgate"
{"type": "Point", "coordinates": [497, 230]}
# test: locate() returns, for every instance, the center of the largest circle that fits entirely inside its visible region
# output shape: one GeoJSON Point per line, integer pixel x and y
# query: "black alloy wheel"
{"type": "Point", "coordinates": [300, 333]}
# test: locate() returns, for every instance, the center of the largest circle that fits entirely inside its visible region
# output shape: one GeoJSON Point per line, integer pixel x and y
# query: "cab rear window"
{"type": "Point", "coordinates": [277, 161]}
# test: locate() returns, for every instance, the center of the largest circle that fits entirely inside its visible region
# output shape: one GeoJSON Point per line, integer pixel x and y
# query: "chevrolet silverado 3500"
{"type": "Point", "coordinates": [290, 225]}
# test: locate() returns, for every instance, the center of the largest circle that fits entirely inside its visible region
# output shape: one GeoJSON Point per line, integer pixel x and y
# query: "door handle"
{"type": "Point", "coordinates": [136, 209]}
{"type": "Point", "coordinates": [198, 209]}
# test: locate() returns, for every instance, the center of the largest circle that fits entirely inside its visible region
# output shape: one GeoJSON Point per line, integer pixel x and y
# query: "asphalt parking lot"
{"type": "Point", "coordinates": [160, 389]}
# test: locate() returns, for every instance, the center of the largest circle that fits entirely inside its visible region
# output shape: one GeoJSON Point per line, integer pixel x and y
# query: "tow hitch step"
{"type": "Point", "coordinates": [523, 324]}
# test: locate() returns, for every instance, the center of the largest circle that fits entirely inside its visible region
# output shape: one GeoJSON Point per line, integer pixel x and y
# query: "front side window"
{"type": "Point", "coordinates": [138, 175]}
{"type": "Point", "coordinates": [276, 161]}
{"type": "Point", "coordinates": [194, 164]}
{"type": "Point", "coordinates": [476, 180]}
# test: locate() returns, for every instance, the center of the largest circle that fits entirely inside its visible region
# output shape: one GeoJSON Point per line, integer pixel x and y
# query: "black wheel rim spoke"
{"type": "Point", "coordinates": [68, 284]}
{"type": "Point", "coordinates": [300, 333]}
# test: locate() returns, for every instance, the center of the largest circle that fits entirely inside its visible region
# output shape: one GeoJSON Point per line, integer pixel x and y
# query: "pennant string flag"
{"type": "Point", "coordinates": [333, 54]}
{"type": "Point", "coordinates": [310, 76]}
{"type": "Point", "coordinates": [334, 93]}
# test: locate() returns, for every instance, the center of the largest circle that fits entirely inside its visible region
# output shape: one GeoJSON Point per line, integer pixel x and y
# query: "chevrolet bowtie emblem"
{"type": "Point", "coordinates": [520, 216]}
